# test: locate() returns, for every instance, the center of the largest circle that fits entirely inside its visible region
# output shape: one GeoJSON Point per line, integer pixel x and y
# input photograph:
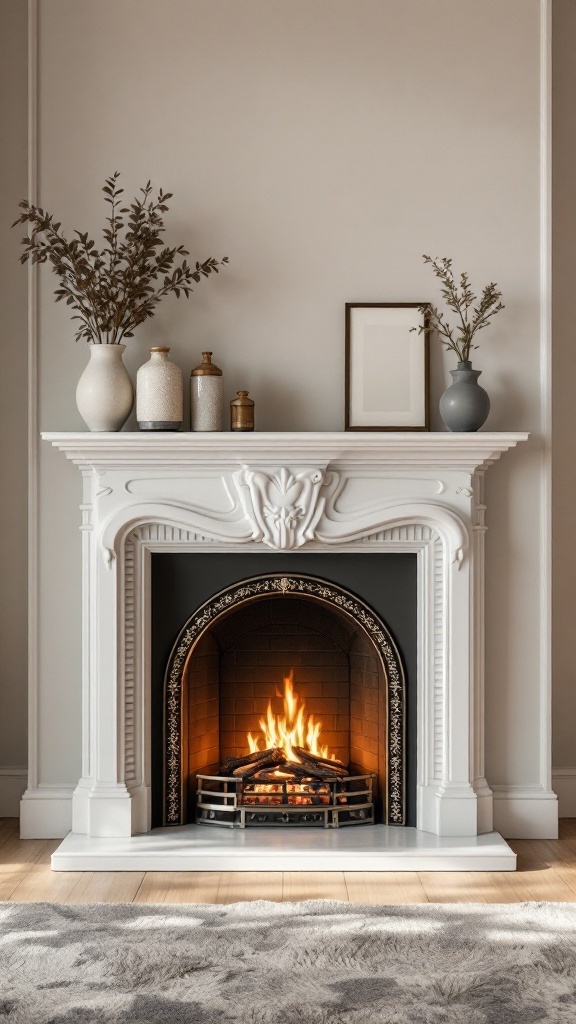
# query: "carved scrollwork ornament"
{"type": "Point", "coordinates": [284, 505]}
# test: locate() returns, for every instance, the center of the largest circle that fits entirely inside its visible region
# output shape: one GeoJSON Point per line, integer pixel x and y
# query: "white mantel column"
{"type": "Point", "coordinates": [101, 803]}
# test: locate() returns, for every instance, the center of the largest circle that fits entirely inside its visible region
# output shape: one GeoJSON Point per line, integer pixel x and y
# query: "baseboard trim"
{"type": "Point", "coordinates": [46, 812]}
{"type": "Point", "coordinates": [525, 812]}
{"type": "Point", "coordinates": [520, 812]}
{"type": "Point", "coordinates": [564, 785]}
{"type": "Point", "coordinates": [13, 782]}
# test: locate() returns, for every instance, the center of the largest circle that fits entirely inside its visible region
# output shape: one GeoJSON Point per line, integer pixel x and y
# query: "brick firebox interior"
{"type": "Point", "coordinates": [238, 666]}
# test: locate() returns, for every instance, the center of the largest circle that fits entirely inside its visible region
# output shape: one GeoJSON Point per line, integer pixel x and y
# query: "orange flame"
{"type": "Point", "coordinates": [292, 729]}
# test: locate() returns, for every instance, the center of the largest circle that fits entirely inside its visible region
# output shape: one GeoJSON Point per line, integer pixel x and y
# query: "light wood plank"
{"type": "Point", "coordinates": [106, 887]}
{"type": "Point", "coordinates": [42, 885]}
{"type": "Point", "coordinates": [534, 879]}
{"type": "Point", "coordinates": [17, 857]}
{"type": "Point", "coordinates": [16, 853]}
{"type": "Point", "coordinates": [384, 887]}
{"type": "Point", "coordinates": [556, 851]}
{"type": "Point", "coordinates": [569, 844]}
{"type": "Point", "coordinates": [179, 887]}
{"type": "Point", "coordinates": [8, 829]}
{"type": "Point", "coordinates": [239, 886]}
{"type": "Point", "coordinates": [314, 885]}
{"type": "Point", "coordinates": [454, 886]}
{"type": "Point", "coordinates": [560, 857]}
{"type": "Point", "coordinates": [567, 828]}
{"type": "Point", "coordinates": [546, 871]}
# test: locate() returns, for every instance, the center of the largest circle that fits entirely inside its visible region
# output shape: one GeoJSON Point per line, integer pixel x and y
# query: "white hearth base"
{"type": "Point", "coordinates": [201, 848]}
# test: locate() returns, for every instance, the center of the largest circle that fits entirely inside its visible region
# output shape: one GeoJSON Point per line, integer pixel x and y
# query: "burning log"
{"type": "Point", "coordinates": [246, 771]}
{"type": "Point", "coordinates": [265, 775]}
{"type": "Point", "coordinates": [290, 773]}
{"type": "Point", "coordinates": [232, 763]}
{"type": "Point", "coordinates": [320, 767]}
{"type": "Point", "coordinates": [262, 764]}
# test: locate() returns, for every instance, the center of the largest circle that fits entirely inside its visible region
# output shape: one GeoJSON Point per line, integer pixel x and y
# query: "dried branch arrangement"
{"type": "Point", "coordinates": [114, 290]}
{"type": "Point", "coordinates": [460, 298]}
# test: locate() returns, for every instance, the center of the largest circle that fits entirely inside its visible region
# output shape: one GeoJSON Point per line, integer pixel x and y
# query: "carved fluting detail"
{"type": "Point", "coordinates": [283, 506]}
{"type": "Point", "coordinates": [165, 532]}
{"type": "Point", "coordinates": [439, 643]}
{"type": "Point", "coordinates": [415, 533]}
{"type": "Point", "coordinates": [129, 664]}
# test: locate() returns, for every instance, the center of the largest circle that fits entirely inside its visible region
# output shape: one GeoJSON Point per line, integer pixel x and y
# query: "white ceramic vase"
{"type": "Point", "coordinates": [104, 395]}
{"type": "Point", "coordinates": [159, 393]}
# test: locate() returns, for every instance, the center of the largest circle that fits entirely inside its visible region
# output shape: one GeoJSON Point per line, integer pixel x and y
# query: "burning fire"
{"type": "Point", "coordinates": [292, 729]}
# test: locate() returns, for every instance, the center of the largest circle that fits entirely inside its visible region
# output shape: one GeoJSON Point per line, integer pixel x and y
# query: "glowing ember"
{"type": "Point", "coordinates": [292, 729]}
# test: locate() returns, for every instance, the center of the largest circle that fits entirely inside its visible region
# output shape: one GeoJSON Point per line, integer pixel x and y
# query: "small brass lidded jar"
{"type": "Point", "coordinates": [206, 395]}
{"type": "Point", "coordinates": [242, 412]}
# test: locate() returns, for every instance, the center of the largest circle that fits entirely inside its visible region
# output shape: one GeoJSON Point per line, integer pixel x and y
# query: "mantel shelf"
{"type": "Point", "coordinates": [171, 450]}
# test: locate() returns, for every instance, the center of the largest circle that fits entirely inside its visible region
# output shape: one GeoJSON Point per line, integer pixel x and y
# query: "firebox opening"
{"type": "Point", "coordinates": [232, 669]}
{"type": "Point", "coordinates": [236, 680]}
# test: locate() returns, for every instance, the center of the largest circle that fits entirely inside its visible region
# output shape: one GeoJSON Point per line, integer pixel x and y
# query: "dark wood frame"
{"type": "Point", "coordinates": [425, 341]}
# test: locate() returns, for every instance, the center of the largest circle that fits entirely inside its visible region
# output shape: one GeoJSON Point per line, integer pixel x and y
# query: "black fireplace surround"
{"type": "Point", "coordinates": [182, 582]}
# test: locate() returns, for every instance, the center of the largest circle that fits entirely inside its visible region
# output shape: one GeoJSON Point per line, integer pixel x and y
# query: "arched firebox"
{"type": "Point", "coordinates": [263, 650]}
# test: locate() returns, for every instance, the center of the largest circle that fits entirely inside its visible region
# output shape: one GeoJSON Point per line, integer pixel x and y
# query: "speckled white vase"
{"type": "Point", "coordinates": [206, 395]}
{"type": "Point", "coordinates": [104, 394]}
{"type": "Point", "coordinates": [159, 393]}
{"type": "Point", "coordinates": [207, 403]}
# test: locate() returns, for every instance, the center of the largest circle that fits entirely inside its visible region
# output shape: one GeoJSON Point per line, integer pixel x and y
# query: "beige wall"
{"type": "Point", "coordinates": [323, 145]}
{"type": "Point", "coordinates": [564, 382]}
{"type": "Point", "coordinates": [13, 389]}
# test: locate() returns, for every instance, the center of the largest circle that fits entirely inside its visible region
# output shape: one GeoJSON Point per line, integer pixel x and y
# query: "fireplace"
{"type": "Point", "coordinates": [283, 692]}
{"type": "Point", "coordinates": [298, 497]}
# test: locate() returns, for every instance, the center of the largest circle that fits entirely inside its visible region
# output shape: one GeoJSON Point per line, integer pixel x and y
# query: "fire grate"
{"type": "Point", "coordinates": [237, 803]}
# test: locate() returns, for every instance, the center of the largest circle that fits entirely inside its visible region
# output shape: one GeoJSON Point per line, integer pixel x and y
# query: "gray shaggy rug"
{"type": "Point", "coordinates": [287, 963]}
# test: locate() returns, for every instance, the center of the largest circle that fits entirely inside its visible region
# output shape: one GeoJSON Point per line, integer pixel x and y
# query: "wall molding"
{"type": "Point", "coordinates": [546, 392]}
{"type": "Point", "coordinates": [13, 781]}
{"type": "Point", "coordinates": [564, 785]}
{"type": "Point", "coordinates": [46, 812]}
{"type": "Point", "coordinates": [525, 812]}
{"type": "Point", "coordinates": [520, 812]}
{"type": "Point", "coordinates": [33, 436]}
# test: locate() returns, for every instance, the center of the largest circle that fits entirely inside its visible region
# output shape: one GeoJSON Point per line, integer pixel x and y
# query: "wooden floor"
{"type": "Point", "coordinates": [546, 871]}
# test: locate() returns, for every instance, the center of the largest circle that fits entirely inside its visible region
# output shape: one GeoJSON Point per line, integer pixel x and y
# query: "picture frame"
{"type": "Point", "coordinates": [387, 367]}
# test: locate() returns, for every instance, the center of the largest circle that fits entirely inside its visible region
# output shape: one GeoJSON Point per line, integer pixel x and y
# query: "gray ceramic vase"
{"type": "Point", "coordinates": [464, 406]}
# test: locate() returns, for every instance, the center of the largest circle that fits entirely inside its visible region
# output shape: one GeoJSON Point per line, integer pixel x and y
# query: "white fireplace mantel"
{"type": "Point", "coordinates": [178, 449]}
{"type": "Point", "coordinates": [283, 490]}
{"type": "Point", "coordinates": [417, 492]}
